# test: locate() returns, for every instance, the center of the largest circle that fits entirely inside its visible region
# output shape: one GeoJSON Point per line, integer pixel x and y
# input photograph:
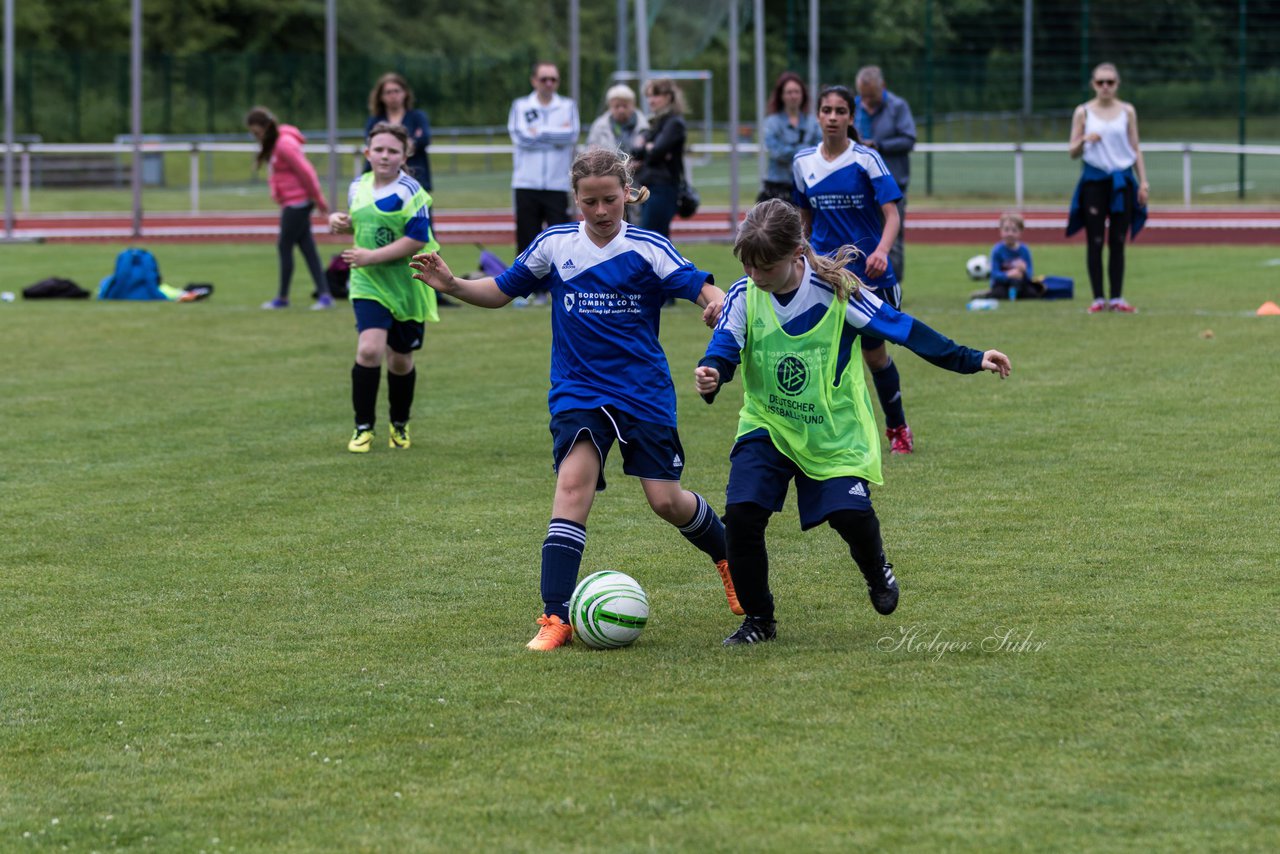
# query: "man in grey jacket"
{"type": "Point", "coordinates": [884, 123]}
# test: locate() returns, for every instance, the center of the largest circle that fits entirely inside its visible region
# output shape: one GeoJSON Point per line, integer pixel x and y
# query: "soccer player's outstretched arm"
{"type": "Point", "coordinates": [432, 271]}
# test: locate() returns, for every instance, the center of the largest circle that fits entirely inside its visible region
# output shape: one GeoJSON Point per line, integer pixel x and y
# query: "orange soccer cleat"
{"type": "Point", "coordinates": [554, 632]}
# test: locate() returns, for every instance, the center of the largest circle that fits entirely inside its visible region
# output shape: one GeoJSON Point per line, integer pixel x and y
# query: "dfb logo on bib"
{"type": "Point", "coordinates": [792, 373]}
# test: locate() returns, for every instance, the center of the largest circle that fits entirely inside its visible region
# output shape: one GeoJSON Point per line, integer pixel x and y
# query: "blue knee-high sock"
{"type": "Point", "coordinates": [561, 558]}
{"type": "Point", "coordinates": [706, 531]}
{"type": "Point", "coordinates": [889, 390]}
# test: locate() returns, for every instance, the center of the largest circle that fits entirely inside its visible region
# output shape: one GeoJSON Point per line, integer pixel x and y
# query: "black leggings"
{"type": "Point", "coordinates": [1095, 201]}
{"type": "Point", "coordinates": [744, 526]}
{"type": "Point", "coordinates": [295, 230]}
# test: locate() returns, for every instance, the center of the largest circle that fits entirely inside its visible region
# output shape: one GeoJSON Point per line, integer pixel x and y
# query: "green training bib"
{"type": "Point", "coordinates": [822, 422]}
{"type": "Point", "coordinates": [392, 283]}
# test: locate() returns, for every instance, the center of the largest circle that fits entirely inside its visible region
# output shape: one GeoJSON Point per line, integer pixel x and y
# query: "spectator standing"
{"type": "Point", "coordinates": [295, 187]}
{"type": "Point", "coordinates": [788, 128]}
{"type": "Point", "coordinates": [1113, 184]}
{"type": "Point", "coordinates": [885, 124]}
{"type": "Point", "coordinates": [617, 127]}
{"type": "Point", "coordinates": [619, 124]}
{"type": "Point", "coordinates": [661, 150]}
{"type": "Point", "coordinates": [391, 102]}
{"type": "Point", "coordinates": [544, 129]}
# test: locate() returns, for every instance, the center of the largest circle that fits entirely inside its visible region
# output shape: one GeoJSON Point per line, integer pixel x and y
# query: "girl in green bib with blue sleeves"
{"type": "Point", "coordinates": [792, 325]}
{"type": "Point", "coordinates": [391, 219]}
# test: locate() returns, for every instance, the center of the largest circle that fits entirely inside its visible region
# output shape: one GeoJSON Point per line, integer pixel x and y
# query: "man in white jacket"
{"type": "Point", "coordinates": [544, 129]}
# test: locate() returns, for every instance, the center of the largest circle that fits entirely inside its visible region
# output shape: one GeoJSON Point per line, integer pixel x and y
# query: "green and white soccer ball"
{"type": "Point", "coordinates": [608, 609]}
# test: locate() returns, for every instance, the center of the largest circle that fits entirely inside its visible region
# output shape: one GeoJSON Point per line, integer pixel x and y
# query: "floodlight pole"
{"type": "Point", "coordinates": [135, 86]}
{"type": "Point", "coordinates": [575, 55]}
{"type": "Point", "coordinates": [624, 38]}
{"type": "Point", "coordinates": [1027, 10]}
{"type": "Point", "coordinates": [735, 91]}
{"type": "Point", "coordinates": [757, 10]}
{"type": "Point", "coordinates": [642, 47]}
{"type": "Point", "coordinates": [814, 83]}
{"type": "Point", "coordinates": [8, 119]}
{"type": "Point", "coordinates": [331, 94]}
{"type": "Point", "coordinates": [1244, 91]}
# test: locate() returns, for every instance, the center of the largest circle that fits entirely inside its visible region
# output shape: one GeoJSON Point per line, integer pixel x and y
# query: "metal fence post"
{"type": "Point", "coordinates": [1018, 193]}
{"type": "Point", "coordinates": [195, 178]}
{"type": "Point", "coordinates": [1186, 175]}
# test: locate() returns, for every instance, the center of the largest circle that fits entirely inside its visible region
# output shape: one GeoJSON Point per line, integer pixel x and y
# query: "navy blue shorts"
{"type": "Point", "coordinates": [403, 336]}
{"type": "Point", "coordinates": [759, 474]}
{"type": "Point", "coordinates": [649, 451]}
{"type": "Point", "coordinates": [892, 296]}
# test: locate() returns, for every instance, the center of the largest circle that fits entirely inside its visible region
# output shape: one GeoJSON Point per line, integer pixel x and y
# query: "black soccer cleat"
{"type": "Point", "coordinates": [883, 590]}
{"type": "Point", "coordinates": [753, 630]}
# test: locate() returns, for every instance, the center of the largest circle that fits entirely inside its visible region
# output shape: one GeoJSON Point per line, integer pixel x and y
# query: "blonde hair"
{"type": "Point", "coordinates": [771, 233]}
{"type": "Point", "coordinates": [602, 162]}
{"type": "Point", "coordinates": [620, 92]}
{"type": "Point", "coordinates": [1014, 219]}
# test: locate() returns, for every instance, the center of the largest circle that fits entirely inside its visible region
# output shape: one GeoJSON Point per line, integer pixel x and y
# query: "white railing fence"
{"type": "Point", "coordinates": [702, 153]}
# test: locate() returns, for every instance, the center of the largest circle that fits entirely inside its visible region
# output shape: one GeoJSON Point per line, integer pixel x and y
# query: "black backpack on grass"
{"type": "Point", "coordinates": [55, 288]}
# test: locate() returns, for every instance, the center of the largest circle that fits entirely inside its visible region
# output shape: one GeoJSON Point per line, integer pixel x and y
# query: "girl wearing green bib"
{"type": "Point", "coordinates": [390, 217]}
{"type": "Point", "coordinates": [793, 324]}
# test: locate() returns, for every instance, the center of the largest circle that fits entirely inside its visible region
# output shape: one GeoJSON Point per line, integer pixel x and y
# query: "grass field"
{"type": "Point", "coordinates": [222, 632]}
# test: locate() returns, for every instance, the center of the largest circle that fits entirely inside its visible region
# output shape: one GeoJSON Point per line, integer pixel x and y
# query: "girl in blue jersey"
{"type": "Point", "coordinates": [609, 376]}
{"type": "Point", "coordinates": [793, 324]}
{"type": "Point", "coordinates": [847, 196]}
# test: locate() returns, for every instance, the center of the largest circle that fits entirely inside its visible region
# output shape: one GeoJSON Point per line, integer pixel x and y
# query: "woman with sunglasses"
{"type": "Point", "coordinates": [1113, 184]}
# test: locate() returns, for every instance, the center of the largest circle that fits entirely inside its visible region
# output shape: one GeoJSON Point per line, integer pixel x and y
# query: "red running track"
{"type": "Point", "coordinates": [949, 227]}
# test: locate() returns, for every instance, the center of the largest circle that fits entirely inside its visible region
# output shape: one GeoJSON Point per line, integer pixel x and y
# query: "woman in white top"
{"type": "Point", "coordinates": [1113, 184]}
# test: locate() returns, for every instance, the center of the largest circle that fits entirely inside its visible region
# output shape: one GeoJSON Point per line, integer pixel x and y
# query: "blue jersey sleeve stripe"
{"type": "Point", "coordinates": [872, 155]}
{"type": "Point", "coordinates": [818, 282]}
{"type": "Point", "coordinates": [736, 293]}
{"type": "Point", "coordinates": [655, 239]}
{"type": "Point", "coordinates": [553, 230]}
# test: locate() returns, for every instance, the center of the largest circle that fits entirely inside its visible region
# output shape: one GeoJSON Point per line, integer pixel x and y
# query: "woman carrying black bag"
{"type": "Point", "coordinates": [660, 149]}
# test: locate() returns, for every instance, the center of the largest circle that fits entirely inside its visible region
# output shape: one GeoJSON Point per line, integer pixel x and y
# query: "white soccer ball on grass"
{"type": "Point", "coordinates": [608, 609]}
{"type": "Point", "coordinates": [978, 267]}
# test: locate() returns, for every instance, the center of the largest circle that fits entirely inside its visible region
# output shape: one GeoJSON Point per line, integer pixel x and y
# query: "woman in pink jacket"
{"type": "Point", "coordinates": [296, 189]}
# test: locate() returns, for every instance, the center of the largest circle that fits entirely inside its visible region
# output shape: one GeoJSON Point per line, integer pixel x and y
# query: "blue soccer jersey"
{"type": "Point", "coordinates": [606, 307]}
{"type": "Point", "coordinates": [1002, 258]}
{"type": "Point", "coordinates": [844, 196]}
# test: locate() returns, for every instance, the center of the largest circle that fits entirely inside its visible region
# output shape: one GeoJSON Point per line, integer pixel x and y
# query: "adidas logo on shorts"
{"type": "Point", "coordinates": [676, 462]}
{"type": "Point", "coordinates": [858, 490]}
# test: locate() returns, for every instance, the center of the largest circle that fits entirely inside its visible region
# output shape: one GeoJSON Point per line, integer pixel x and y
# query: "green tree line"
{"type": "Point", "coordinates": [206, 61]}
